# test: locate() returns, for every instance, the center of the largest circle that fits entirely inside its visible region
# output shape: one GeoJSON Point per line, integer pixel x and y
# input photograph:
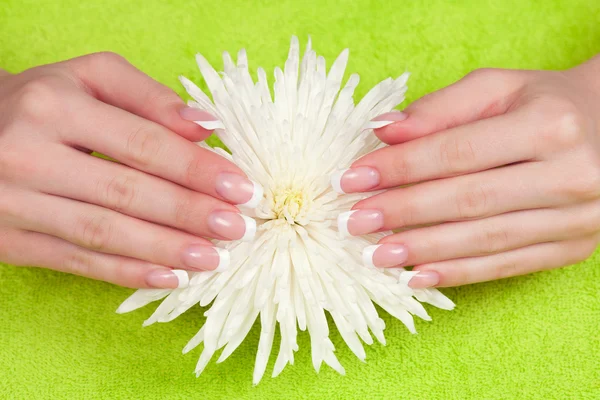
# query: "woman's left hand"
{"type": "Point", "coordinates": [500, 176]}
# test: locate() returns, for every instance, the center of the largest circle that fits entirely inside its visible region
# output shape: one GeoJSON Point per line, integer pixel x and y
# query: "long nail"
{"type": "Point", "coordinates": [200, 117]}
{"type": "Point", "coordinates": [424, 279]}
{"type": "Point", "coordinates": [232, 226]}
{"type": "Point", "coordinates": [359, 222]}
{"type": "Point", "coordinates": [203, 257]}
{"type": "Point", "coordinates": [357, 179]}
{"type": "Point", "coordinates": [239, 190]}
{"type": "Point", "coordinates": [167, 279]}
{"type": "Point", "coordinates": [385, 255]}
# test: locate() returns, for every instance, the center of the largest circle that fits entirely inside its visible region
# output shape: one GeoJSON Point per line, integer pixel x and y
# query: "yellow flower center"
{"type": "Point", "coordinates": [289, 204]}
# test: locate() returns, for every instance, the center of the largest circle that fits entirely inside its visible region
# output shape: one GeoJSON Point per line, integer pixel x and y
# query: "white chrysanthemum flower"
{"type": "Point", "coordinates": [298, 265]}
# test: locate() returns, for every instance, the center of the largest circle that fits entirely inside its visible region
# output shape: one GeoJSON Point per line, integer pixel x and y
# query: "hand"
{"type": "Point", "coordinates": [499, 176]}
{"type": "Point", "coordinates": [135, 223]}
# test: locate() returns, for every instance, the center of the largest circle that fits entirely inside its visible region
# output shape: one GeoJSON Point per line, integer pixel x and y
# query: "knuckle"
{"type": "Point", "coordinates": [194, 170]}
{"type": "Point", "coordinates": [401, 170]}
{"type": "Point", "coordinates": [80, 263]}
{"type": "Point", "coordinates": [107, 57]}
{"type": "Point", "coordinates": [585, 250]}
{"type": "Point", "coordinates": [184, 212]}
{"type": "Point", "coordinates": [144, 146]}
{"type": "Point", "coordinates": [472, 201]}
{"type": "Point", "coordinates": [94, 232]}
{"type": "Point", "coordinates": [456, 155]}
{"type": "Point", "coordinates": [37, 100]}
{"type": "Point", "coordinates": [583, 184]}
{"type": "Point", "coordinates": [493, 239]}
{"type": "Point", "coordinates": [507, 267]}
{"type": "Point", "coordinates": [482, 73]}
{"type": "Point", "coordinates": [563, 124]}
{"type": "Point", "coordinates": [120, 192]}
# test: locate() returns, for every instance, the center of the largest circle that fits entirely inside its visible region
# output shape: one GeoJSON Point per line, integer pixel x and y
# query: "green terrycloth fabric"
{"type": "Point", "coordinates": [532, 337]}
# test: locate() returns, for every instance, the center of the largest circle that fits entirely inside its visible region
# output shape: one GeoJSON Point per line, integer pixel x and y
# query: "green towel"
{"type": "Point", "coordinates": [530, 337]}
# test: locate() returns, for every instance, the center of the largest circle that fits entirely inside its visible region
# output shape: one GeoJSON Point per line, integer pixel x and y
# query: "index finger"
{"type": "Point", "coordinates": [152, 148]}
{"type": "Point", "coordinates": [474, 147]}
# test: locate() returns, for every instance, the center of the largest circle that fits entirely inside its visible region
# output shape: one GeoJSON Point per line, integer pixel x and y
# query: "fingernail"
{"type": "Point", "coordinates": [394, 116]}
{"type": "Point", "coordinates": [167, 279]}
{"type": "Point", "coordinates": [386, 119]}
{"type": "Point", "coordinates": [200, 117]}
{"type": "Point", "coordinates": [202, 257]}
{"type": "Point", "coordinates": [357, 179]}
{"type": "Point", "coordinates": [424, 279]}
{"type": "Point", "coordinates": [232, 226]}
{"type": "Point", "coordinates": [239, 190]}
{"type": "Point", "coordinates": [359, 222]}
{"type": "Point", "coordinates": [385, 255]}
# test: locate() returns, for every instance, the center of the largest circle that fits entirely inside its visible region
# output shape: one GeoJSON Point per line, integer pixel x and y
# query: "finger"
{"type": "Point", "coordinates": [151, 148]}
{"type": "Point", "coordinates": [486, 236]}
{"type": "Point", "coordinates": [70, 173]}
{"type": "Point", "coordinates": [113, 80]}
{"type": "Point", "coordinates": [481, 94]}
{"type": "Point", "coordinates": [521, 261]}
{"type": "Point", "coordinates": [478, 146]}
{"type": "Point", "coordinates": [106, 231]}
{"type": "Point", "coordinates": [478, 195]}
{"type": "Point", "coordinates": [24, 248]}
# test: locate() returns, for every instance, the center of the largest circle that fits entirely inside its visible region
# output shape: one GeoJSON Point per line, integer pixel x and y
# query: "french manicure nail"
{"type": "Point", "coordinates": [385, 255]}
{"type": "Point", "coordinates": [424, 279]}
{"type": "Point", "coordinates": [359, 222]}
{"type": "Point", "coordinates": [167, 279]}
{"type": "Point", "coordinates": [353, 180]}
{"type": "Point", "coordinates": [239, 190]}
{"type": "Point", "coordinates": [394, 116]}
{"type": "Point", "coordinates": [386, 119]}
{"type": "Point", "coordinates": [232, 226]}
{"type": "Point", "coordinates": [201, 117]}
{"type": "Point", "coordinates": [203, 257]}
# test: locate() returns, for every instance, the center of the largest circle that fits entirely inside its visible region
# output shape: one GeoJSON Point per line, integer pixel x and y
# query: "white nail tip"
{"type": "Point", "coordinates": [257, 196]}
{"type": "Point", "coordinates": [377, 124]}
{"type": "Point", "coordinates": [336, 181]}
{"type": "Point", "coordinates": [224, 259]}
{"type": "Point", "coordinates": [342, 223]}
{"type": "Point", "coordinates": [182, 278]}
{"type": "Point", "coordinates": [211, 125]}
{"type": "Point", "coordinates": [250, 228]}
{"type": "Point", "coordinates": [367, 255]}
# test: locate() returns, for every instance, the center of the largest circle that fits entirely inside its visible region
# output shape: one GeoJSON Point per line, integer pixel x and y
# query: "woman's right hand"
{"type": "Point", "coordinates": [135, 223]}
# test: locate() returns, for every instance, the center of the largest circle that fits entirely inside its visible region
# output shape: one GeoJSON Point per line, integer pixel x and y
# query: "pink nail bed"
{"type": "Point", "coordinates": [424, 279]}
{"type": "Point", "coordinates": [196, 114]}
{"type": "Point", "coordinates": [385, 255]}
{"type": "Point", "coordinates": [167, 279]}
{"type": "Point", "coordinates": [232, 226]}
{"type": "Point", "coordinates": [395, 116]}
{"type": "Point", "coordinates": [359, 179]}
{"type": "Point", "coordinates": [360, 222]}
{"type": "Point", "coordinates": [239, 190]}
{"type": "Point", "coordinates": [203, 257]}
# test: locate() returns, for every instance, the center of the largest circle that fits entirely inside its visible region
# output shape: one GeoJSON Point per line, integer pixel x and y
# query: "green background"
{"type": "Point", "coordinates": [529, 337]}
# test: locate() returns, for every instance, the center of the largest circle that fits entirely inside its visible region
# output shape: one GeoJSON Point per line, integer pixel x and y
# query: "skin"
{"type": "Point", "coordinates": [64, 209]}
{"type": "Point", "coordinates": [502, 175]}
{"type": "Point", "coordinates": [499, 173]}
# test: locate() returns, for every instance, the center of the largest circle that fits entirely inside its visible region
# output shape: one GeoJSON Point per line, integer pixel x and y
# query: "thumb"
{"type": "Point", "coordinates": [481, 94]}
